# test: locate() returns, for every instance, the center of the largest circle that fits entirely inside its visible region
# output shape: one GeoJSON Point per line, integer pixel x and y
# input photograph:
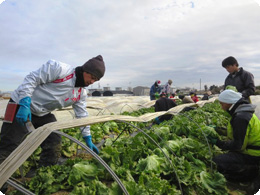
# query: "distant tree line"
{"type": "Point", "coordinates": [217, 89]}
{"type": "Point", "coordinates": [257, 91]}
{"type": "Point", "coordinates": [214, 88]}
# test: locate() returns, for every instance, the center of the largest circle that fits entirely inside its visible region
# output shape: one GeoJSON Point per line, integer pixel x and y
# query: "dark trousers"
{"type": "Point", "coordinates": [238, 167]}
{"type": "Point", "coordinates": [12, 134]}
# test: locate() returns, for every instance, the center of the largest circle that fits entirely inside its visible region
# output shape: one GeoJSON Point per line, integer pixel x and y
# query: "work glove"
{"type": "Point", "coordinates": [213, 126]}
{"type": "Point", "coordinates": [24, 111]}
{"type": "Point", "coordinates": [157, 120]}
{"type": "Point", "coordinates": [221, 130]}
{"type": "Point", "coordinates": [212, 140]}
{"type": "Point", "coordinates": [88, 140]}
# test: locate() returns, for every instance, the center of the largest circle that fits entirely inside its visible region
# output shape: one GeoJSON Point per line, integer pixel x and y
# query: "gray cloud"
{"type": "Point", "coordinates": [140, 41]}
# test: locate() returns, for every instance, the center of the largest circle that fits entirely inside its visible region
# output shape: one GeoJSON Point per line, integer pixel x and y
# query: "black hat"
{"type": "Point", "coordinates": [229, 61]}
{"type": "Point", "coordinates": [95, 66]}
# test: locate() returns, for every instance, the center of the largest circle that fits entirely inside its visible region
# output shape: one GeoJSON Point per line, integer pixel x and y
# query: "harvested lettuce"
{"type": "Point", "coordinates": [150, 164]}
{"type": "Point", "coordinates": [214, 182]}
{"type": "Point", "coordinates": [82, 172]}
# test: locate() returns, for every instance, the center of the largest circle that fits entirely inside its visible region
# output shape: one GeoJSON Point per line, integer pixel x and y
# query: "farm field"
{"type": "Point", "coordinates": [171, 158]}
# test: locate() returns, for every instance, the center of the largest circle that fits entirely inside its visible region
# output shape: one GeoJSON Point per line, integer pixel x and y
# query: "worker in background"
{"type": "Point", "coordinates": [163, 104]}
{"type": "Point", "coordinates": [172, 97]}
{"type": "Point", "coordinates": [155, 90]}
{"type": "Point", "coordinates": [241, 161]}
{"type": "Point", "coordinates": [186, 99]}
{"type": "Point", "coordinates": [177, 92]}
{"type": "Point", "coordinates": [194, 97]}
{"type": "Point", "coordinates": [238, 77]}
{"type": "Point", "coordinates": [167, 88]}
{"type": "Point", "coordinates": [54, 85]}
{"type": "Point", "coordinates": [206, 95]}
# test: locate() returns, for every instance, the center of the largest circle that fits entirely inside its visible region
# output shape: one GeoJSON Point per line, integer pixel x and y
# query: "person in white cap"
{"type": "Point", "coordinates": [167, 88]}
{"type": "Point", "coordinates": [241, 161]}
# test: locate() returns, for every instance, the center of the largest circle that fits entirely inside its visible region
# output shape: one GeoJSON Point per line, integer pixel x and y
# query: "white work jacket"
{"type": "Point", "coordinates": [52, 87]}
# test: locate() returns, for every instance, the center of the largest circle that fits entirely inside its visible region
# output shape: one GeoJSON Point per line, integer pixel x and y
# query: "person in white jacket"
{"type": "Point", "coordinates": [167, 88]}
{"type": "Point", "coordinates": [53, 86]}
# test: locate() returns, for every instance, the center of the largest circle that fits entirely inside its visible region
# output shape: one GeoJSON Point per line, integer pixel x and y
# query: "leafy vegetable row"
{"type": "Point", "coordinates": [139, 163]}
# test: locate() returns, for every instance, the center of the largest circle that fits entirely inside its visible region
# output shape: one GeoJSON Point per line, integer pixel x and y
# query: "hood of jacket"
{"type": "Point", "coordinates": [242, 106]}
{"type": "Point", "coordinates": [245, 108]}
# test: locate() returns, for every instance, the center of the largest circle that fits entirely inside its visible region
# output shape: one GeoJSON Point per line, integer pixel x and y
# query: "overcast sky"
{"type": "Point", "coordinates": [140, 40]}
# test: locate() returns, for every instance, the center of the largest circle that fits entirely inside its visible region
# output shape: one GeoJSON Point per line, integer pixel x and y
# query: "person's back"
{"type": "Point", "coordinates": [164, 104]}
{"type": "Point", "coordinates": [187, 99]}
{"type": "Point", "coordinates": [206, 96]}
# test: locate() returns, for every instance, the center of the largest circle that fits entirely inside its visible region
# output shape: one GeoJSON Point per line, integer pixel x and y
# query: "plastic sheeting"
{"type": "Point", "coordinates": [98, 106]}
{"type": "Point", "coordinates": [36, 137]}
{"type": "Point", "coordinates": [33, 140]}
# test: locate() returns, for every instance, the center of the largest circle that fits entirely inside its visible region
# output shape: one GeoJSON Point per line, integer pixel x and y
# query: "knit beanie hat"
{"type": "Point", "coordinates": [229, 61]}
{"type": "Point", "coordinates": [95, 66]}
{"type": "Point", "coordinates": [229, 96]}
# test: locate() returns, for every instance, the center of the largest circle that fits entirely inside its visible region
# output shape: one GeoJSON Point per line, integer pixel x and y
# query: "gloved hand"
{"type": "Point", "coordinates": [88, 140]}
{"type": "Point", "coordinates": [24, 111]}
{"type": "Point", "coordinates": [157, 120]}
{"type": "Point", "coordinates": [213, 126]}
{"type": "Point", "coordinates": [221, 130]}
{"type": "Point", "coordinates": [212, 140]}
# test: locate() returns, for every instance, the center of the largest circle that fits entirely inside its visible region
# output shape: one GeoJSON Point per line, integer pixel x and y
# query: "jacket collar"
{"type": "Point", "coordinates": [239, 72]}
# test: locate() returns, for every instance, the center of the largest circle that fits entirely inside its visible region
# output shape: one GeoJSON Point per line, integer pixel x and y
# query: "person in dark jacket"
{"type": "Point", "coordinates": [163, 104]}
{"type": "Point", "coordinates": [206, 95]}
{"type": "Point", "coordinates": [155, 90]}
{"type": "Point", "coordinates": [238, 77]}
{"type": "Point", "coordinates": [241, 161]}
